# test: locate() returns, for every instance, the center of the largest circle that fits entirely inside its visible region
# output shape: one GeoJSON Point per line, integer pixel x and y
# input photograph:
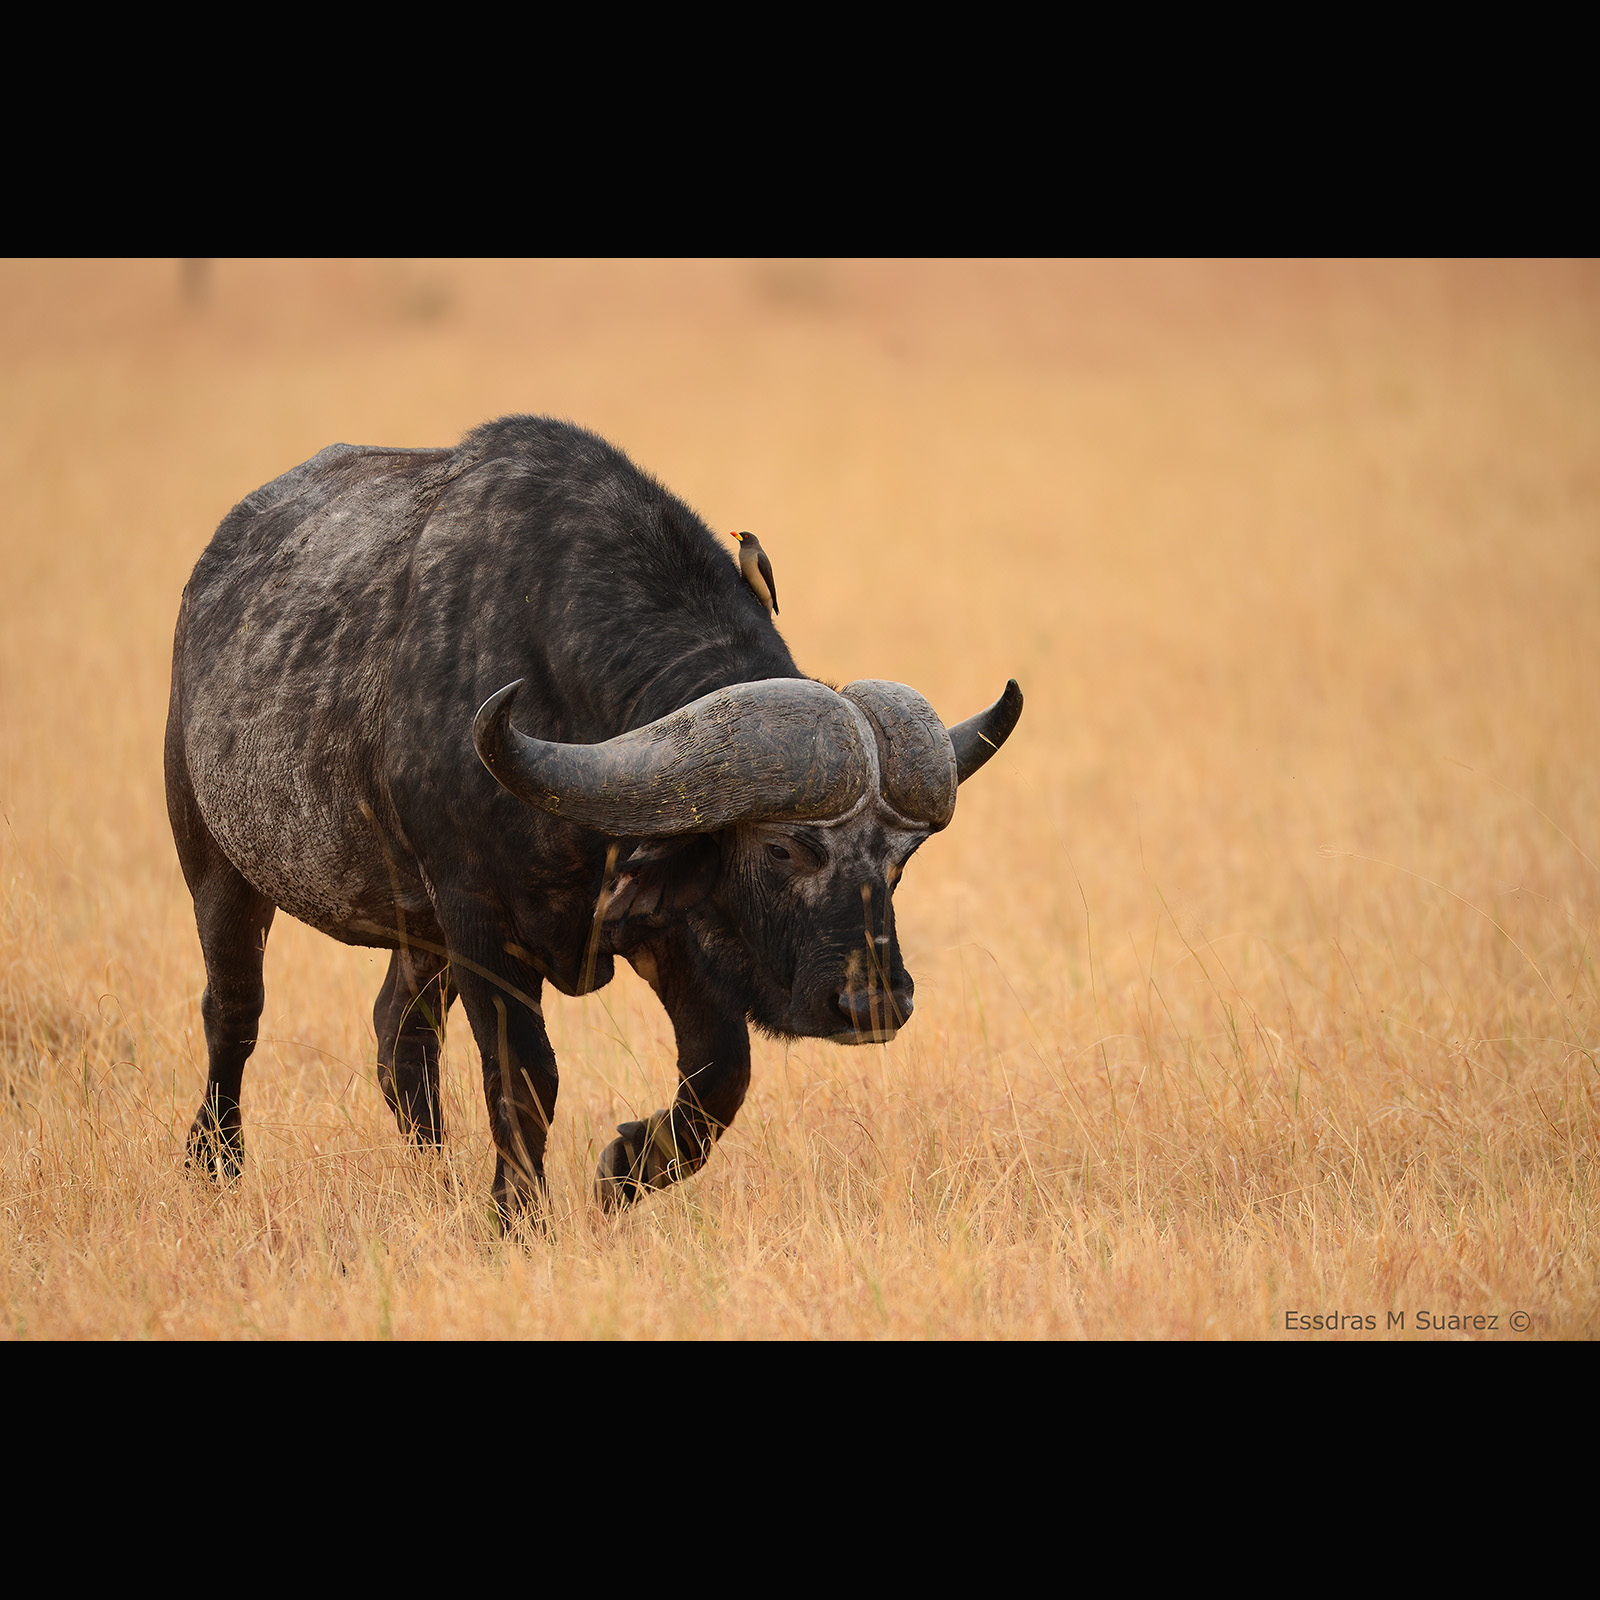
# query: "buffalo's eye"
{"type": "Point", "coordinates": [778, 852]}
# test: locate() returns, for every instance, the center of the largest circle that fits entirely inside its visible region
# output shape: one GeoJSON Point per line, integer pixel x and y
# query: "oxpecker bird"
{"type": "Point", "coordinates": [757, 570]}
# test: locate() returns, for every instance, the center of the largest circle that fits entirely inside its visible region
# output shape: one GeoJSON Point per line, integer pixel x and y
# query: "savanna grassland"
{"type": "Point", "coordinates": [1256, 979]}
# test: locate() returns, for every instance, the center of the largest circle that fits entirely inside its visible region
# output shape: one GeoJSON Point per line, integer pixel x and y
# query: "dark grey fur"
{"type": "Point", "coordinates": [334, 647]}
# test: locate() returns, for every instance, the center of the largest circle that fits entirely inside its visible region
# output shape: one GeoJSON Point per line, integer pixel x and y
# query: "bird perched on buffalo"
{"type": "Point", "coordinates": [757, 570]}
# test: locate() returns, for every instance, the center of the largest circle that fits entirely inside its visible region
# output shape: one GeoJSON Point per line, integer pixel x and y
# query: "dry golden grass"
{"type": "Point", "coordinates": [1256, 979]}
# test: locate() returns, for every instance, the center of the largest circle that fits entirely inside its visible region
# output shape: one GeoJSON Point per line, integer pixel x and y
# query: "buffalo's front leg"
{"type": "Point", "coordinates": [713, 1072]}
{"type": "Point", "coordinates": [519, 1077]}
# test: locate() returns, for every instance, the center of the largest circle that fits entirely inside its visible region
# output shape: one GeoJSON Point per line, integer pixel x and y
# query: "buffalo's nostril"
{"type": "Point", "coordinates": [892, 1009]}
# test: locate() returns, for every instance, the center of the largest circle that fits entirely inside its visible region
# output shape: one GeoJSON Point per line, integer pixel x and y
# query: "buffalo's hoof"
{"type": "Point", "coordinates": [218, 1152]}
{"type": "Point", "coordinates": [646, 1156]}
{"type": "Point", "coordinates": [424, 1135]}
{"type": "Point", "coordinates": [520, 1200]}
{"type": "Point", "coordinates": [416, 1108]}
{"type": "Point", "coordinates": [524, 1222]}
{"type": "Point", "coordinates": [621, 1168]}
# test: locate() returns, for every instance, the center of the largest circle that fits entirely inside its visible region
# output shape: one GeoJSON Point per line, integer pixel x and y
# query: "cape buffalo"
{"type": "Point", "coordinates": [509, 711]}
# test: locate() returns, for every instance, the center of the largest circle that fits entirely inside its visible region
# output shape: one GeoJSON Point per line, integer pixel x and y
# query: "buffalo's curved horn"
{"type": "Point", "coordinates": [752, 752]}
{"type": "Point", "coordinates": [915, 758]}
{"type": "Point", "coordinates": [978, 738]}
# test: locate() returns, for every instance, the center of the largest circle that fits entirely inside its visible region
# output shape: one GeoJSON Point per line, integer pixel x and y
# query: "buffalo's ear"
{"type": "Point", "coordinates": [664, 875]}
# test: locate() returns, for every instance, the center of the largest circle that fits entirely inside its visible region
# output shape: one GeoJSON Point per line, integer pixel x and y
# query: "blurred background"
{"type": "Point", "coordinates": [1298, 565]}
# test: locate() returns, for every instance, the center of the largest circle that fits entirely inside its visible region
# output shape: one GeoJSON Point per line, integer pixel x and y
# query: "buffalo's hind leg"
{"type": "Point", "coordinates": [233, 921]}
{"type": "Point", "coordinates": [409, 1017]}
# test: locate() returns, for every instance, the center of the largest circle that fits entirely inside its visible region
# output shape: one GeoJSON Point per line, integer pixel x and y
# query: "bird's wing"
{"type": "Point", "coordinates": [765, 568]}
